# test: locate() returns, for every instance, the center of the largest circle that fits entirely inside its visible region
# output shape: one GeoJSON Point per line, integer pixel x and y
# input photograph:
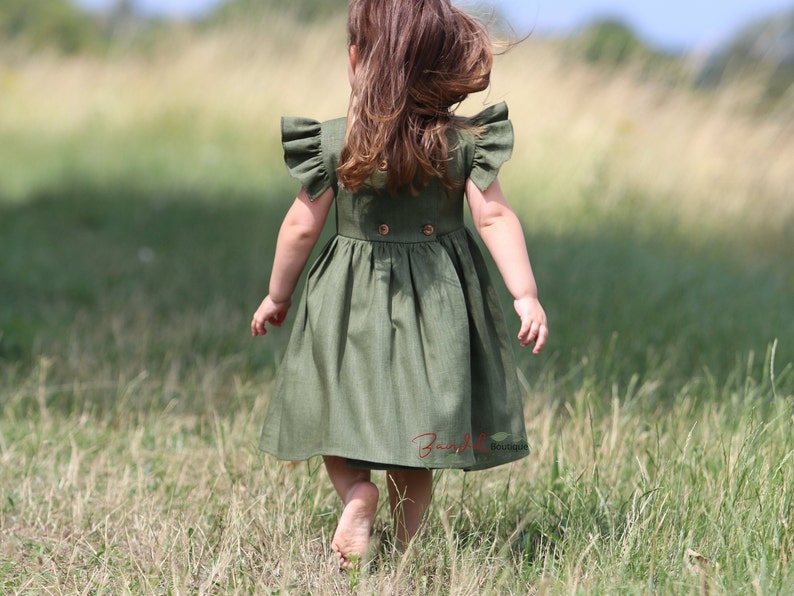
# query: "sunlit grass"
{"type": "Point", "coordinates": [641, 492]}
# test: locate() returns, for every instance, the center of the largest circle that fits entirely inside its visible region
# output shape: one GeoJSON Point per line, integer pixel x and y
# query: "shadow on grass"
{"type": "Point", "coordinates": [103, 270]}
{"type": "Point", "coordinates": [103, 282]}
{"type": "Point", "coordinates": [622, 302]}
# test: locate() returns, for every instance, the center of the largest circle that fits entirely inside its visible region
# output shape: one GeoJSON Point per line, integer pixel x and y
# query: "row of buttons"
{"type": "Point", "coordinates": [427, 229]}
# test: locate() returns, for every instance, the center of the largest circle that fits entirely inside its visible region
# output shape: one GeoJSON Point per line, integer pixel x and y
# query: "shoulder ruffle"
{"type": "Point", "coordinates": [493, 146]}
{"type": "Point", "coordinates": [301, 139]}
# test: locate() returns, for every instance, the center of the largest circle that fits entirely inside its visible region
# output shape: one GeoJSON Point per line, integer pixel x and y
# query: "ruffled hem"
{"type": "Point", "coordinates": [493, 146]}
{"type": "Point", "coordinates": [301, 139]}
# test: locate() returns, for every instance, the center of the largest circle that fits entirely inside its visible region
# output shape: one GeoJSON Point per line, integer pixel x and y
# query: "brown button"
{"type": "Point", "coordinates": [383, 229]}
{"type": "Point", "coordinates": [428, 230]}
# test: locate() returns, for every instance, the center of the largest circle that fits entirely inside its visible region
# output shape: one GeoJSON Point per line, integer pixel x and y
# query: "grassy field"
{"type": "Point", "coordinates": [139, 200]}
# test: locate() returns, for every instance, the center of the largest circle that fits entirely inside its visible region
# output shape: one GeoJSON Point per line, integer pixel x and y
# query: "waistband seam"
{"type": "Point", "coordinates": [428, 240]}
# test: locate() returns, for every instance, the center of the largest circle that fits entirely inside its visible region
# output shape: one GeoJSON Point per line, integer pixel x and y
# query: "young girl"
{"type": "Point", "coordinates": [399, 358]}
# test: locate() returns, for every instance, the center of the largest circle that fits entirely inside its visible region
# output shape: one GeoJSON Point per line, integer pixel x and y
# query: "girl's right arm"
{"type": "Point", "coordinates": [500, 230]}
{"type": "Point", "coordinates": [298, 234]}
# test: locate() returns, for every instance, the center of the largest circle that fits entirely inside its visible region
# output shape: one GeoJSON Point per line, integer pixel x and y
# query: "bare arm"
{"type": "Point", "coordinates": [298, 234]}
{"type": "Point", "coordinates": [500, 230]}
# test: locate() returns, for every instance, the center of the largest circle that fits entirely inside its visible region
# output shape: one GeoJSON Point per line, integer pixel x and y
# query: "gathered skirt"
{"type": "Point", "coordinates": [399, 357]}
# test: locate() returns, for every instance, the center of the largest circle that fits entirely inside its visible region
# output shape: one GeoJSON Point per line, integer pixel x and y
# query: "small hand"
{"type": "Point", "coordinates": [534, 327]}
{"type": "Point", "coordinates": [269, 312]}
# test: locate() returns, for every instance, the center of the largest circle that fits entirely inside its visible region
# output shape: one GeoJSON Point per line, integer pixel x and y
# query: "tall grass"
{"type": "Point", "coordinates": [635, 494]}
{"type": "Point", "coordinates": [140, 196]}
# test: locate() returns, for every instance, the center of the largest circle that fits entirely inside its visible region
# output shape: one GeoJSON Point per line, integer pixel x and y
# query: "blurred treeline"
{"type": "Point", "coordinates": [761, 53]}
{"type": "Point", "coordinates": [64, 26]}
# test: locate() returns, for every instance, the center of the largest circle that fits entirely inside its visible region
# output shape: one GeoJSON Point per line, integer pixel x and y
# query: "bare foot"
{"type": "Point", "coordinates": [351, 538]}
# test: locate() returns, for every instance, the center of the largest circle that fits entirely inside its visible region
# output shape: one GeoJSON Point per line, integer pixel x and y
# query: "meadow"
{"type": "Point", "coordinates": [140, 195]}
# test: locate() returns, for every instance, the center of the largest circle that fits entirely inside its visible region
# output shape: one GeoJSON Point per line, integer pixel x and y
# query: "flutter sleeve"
{"type": "Point", "coordinates": [301, 139]}
{"type": "Point", "coordinates": [493, 144]}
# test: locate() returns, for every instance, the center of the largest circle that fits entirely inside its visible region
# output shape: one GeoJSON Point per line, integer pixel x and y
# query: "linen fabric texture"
{"type": "Point", "coordinates": [399, 355]}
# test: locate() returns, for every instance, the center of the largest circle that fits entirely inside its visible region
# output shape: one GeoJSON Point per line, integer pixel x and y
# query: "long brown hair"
{"type": "Point", "coordinates": [416, 59]}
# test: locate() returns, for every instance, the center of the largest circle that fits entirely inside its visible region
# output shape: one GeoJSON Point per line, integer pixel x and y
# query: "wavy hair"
{"type": "Point", "coordinates": [416, 59]}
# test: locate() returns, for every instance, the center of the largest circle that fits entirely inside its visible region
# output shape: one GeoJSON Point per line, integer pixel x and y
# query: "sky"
{"type": "Point", "coordinates": [669, 24]}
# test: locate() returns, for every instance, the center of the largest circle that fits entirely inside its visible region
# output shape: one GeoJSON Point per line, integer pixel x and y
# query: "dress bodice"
{"type": "Point", "coordinates": [477, 152]}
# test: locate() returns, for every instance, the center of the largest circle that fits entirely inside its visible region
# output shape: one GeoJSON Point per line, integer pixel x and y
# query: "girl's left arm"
{"type": "Point", "coordinates": [298, 234]}
{"type": "Point", "coordinates": [500, 230]}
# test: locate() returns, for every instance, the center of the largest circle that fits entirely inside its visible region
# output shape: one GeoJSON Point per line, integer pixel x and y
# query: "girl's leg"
{"type": "Point", "coordinates": [360, 497]}
{"type": "Point", "coordinates": [409, 497]}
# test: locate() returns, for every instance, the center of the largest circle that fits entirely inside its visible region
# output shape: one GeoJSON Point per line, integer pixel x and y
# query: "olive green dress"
{"type": "Point", "coordinates": [399, 355]}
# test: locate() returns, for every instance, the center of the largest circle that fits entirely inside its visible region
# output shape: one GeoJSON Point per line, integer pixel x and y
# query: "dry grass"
{"type": "Point", "coordinates": [701, 158]}
{"type": "Point", "coordinates": [581, 131]}
{"type": "Point", "coordinates": [614, 495]}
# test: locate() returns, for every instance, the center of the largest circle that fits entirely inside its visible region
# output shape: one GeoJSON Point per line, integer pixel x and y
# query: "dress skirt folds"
{"type": "Point", "coordinates": [399, 354]}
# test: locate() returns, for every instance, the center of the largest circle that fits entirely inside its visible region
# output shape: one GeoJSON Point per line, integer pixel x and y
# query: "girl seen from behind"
{"type": "Point", "coordinates": [400, 358]}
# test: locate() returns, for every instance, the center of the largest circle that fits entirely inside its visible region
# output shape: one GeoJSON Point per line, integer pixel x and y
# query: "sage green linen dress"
{"type": "Point", "coordinates": [399, 355]}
